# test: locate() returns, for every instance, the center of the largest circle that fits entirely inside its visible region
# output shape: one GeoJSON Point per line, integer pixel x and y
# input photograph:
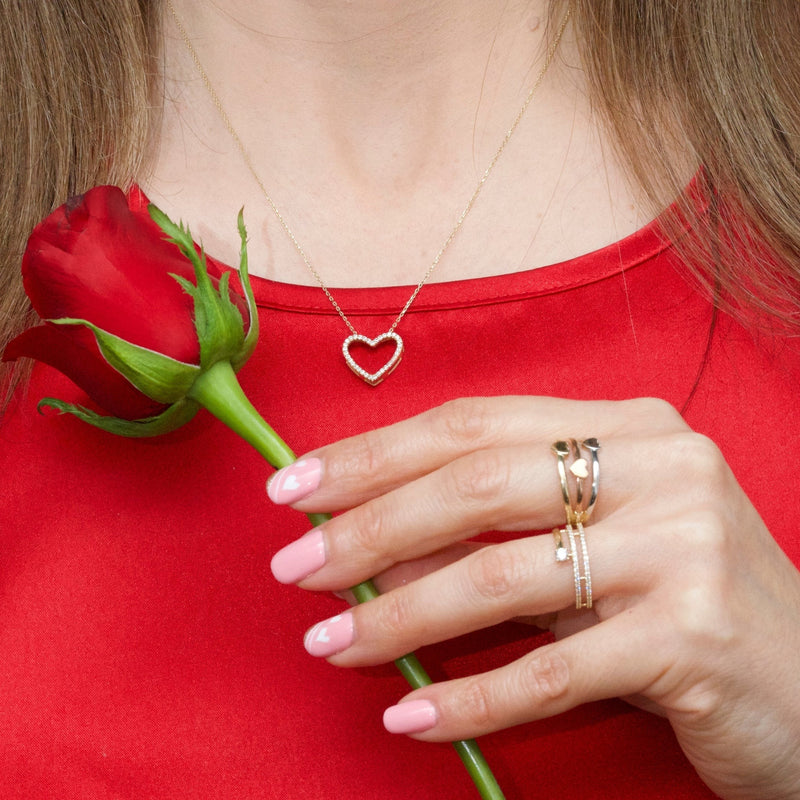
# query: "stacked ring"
{"type": "Point", "coordinates": [573, 471]}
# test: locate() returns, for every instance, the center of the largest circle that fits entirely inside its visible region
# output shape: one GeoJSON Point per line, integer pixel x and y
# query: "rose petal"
{"type": "Point", "coordinates": [94, 259]}
{"type": "Point", "coordinates": [74, 352]}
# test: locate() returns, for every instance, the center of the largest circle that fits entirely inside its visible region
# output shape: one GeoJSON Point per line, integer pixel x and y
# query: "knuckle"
{"type": "Point", "coordinates": [466, 422]}
{"type": "Point", "coordinates": [495, 573]}
{"type": "Point", "coordinates": [700, 609]}
{"type": "Point", "coordinates": [699, 458]}
{"type": "Point", "coordinates": [702, 619]}
{"type": "Point", "coordinates": [545, 677]}
{"type": "Point", "coordinates": [703, 701]}
{"type": "Point", "coordinates": [393, 615]}
{"type": "Point", "coordinates": [477, 706]}
{"type": "Point", "coordinates": [481, 479]}
{"type": "Point", "coordinates": [707, 534]}
{"type": "Point", "coordinates": [655, 411]}
{"type": "Point", "coordinates": [699, 538]}
{"type": "Point", "coordinates": [535, 686]}
{"type": "Point", "coordinates": [365, 455]}
{"type": "Point", "coordinates": [366, 528]}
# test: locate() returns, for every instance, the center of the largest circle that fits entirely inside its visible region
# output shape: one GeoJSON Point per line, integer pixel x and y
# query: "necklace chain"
{"type": "Point", "coordinates": [390, 334]}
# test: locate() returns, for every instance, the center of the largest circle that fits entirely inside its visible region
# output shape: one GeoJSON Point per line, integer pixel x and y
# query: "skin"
{"type": "Point", "coordinates": [696, 613]}
{"type": "Point", "coordinates": [385, 114]}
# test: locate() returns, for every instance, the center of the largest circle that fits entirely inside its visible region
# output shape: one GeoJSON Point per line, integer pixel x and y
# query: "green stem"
{"type": "Point", "coordinates": [218, 390]}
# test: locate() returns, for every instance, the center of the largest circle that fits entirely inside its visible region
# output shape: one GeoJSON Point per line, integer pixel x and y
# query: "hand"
{"type": "Point", "coordinates": [696, 609]}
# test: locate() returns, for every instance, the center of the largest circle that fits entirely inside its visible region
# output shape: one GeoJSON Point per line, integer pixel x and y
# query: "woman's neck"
{"type": "Point", "coordinates": [360, 39]}
{"type": "Point", "coordinates": [390, 81]}
{"type": "Point", "coordinates": [371, 123]}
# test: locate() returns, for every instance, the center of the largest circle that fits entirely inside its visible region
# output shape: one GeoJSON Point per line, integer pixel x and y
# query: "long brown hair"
{"type": "Point", "coordinates": [76, 110]}
{"type": "Point", "coordinates": [714, 84]}
{"type": "Point", "coordinates": [678, 82]}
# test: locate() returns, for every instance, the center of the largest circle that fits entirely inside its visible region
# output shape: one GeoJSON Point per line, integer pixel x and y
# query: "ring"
{"type": "Point", "coordinates": [576, 538]}
{"type": "Point", "coordinates": [578, 507]}
{"type": "Point", "coordinates": [578, 504]}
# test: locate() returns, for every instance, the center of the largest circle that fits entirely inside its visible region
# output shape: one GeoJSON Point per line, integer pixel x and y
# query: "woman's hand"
{"type": "Point", "coordinates": [696, 609]}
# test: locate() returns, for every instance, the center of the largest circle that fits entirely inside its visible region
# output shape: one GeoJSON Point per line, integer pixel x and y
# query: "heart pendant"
{"type": "Point", "coordinates": [373, 378]}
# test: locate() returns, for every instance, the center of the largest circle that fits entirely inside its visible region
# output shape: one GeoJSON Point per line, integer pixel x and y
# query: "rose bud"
{"type": "Point", "coordinates": [132, 316]}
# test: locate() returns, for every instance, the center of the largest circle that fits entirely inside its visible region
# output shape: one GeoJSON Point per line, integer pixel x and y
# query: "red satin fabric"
{"type": "Point", "coordinates": [145, 649]}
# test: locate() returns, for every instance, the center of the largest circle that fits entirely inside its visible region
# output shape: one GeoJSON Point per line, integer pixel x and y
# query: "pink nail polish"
{"type": "Point", "coordinates": [415, 716]}
{"type": "Point", "coordinates": [330, 636]}
{"type": "Point", "coordinates": [299, 559]}
{"type": "Point", "coordinates": [293, 483]}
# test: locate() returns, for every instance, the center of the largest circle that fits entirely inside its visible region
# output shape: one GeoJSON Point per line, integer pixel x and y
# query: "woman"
{"type": "Point", "coordinates": [146, 653]}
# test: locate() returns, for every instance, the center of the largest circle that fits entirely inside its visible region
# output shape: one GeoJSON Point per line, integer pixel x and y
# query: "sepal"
{"type": "Point", "coordinates": [161, 378]}
{"type": "Point", "coordinates": [251, 339]}
{"type": "Point", "coordinates": [168, 420]}
{"type": "Point", "coordinates": [219, 324]}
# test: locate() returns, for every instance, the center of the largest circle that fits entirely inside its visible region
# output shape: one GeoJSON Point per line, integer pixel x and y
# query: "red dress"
{"type": "Point", "coordinates": [147, 652]}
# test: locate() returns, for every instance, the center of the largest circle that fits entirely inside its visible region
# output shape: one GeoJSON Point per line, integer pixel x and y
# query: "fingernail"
{"type": "Point", "coordinates": [415, 716]}
{"type": "Point", "coordinates": [330, 636]}
{"type": "Point", "coordinates": [293, 483]}
{"type": "Point", "coordinates": [299, 559]}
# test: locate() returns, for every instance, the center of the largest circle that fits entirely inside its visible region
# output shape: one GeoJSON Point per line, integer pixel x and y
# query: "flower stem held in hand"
{"type": "Point", "coordinates": [218, 391]}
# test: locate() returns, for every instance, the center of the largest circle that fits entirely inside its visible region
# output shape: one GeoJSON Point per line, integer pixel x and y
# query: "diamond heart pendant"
{"type": "Point", "coordinates": [373, 378]}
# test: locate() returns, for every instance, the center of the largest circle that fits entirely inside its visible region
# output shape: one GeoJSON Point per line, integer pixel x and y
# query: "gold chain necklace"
{"type": "Point", "coordinates": [391, 335]}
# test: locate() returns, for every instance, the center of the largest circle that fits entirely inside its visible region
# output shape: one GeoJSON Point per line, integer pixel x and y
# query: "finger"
{"type": "Point", "coordinates": [491, 585]}
{"type": "Point", "coordinates": [621, 656]}
{"type": "Point", "coordinates": [406, 572]}
{"type": "Point", "coordinates": [349, 472]}
{"type": "Point", "coordinates": [512, 488]}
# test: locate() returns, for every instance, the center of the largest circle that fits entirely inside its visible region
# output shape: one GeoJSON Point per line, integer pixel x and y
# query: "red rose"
{"type": "Point", "coordinates": [100, 258]}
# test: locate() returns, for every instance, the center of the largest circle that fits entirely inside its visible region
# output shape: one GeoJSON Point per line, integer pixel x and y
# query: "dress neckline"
{"type": "Point", "coordinates": [631, 251]}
